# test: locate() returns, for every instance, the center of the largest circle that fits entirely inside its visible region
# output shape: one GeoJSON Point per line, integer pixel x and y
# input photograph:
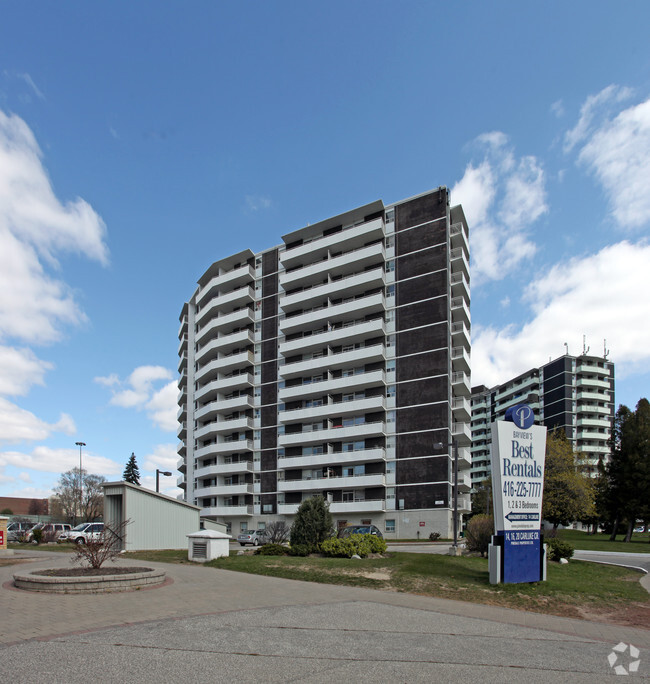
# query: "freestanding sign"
{"type": "Point", "coordinates": [518, 455]}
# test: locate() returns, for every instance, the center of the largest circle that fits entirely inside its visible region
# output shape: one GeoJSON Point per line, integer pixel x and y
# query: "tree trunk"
{"type": "Point", "coordinates": [612, 536]}
{"type": "Point", "coordinates": [630, 529]}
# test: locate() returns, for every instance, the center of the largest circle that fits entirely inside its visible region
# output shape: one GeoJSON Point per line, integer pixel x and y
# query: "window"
{"type": "Point", "coordinates": [390, 391]}
{"type": "Point", "coordinates": [389, 526]}
{"type": "Point", "coordinates": [347, 496]}
{"type": "Point", "coordinates": [243, 526]}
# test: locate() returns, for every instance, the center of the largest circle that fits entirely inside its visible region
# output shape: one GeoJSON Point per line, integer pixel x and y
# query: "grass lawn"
{"type": "Point", "coordinates": [600, 542]}
{"type": "Point", "coordinates": [579, 589]}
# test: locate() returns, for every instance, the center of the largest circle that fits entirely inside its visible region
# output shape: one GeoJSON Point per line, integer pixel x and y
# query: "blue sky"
{"type": "Point", "coordinates": [140, 142]}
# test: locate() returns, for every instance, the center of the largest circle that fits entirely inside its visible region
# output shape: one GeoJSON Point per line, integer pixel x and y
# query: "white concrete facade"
{"type": "Point", "coordinates": [338, 364]}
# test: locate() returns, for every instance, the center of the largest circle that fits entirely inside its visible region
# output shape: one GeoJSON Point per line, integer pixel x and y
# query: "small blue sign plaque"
{"type": "Point", "coordinates": [522, 553]}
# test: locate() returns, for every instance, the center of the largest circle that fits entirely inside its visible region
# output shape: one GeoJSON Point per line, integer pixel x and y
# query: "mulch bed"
{"type": "Point", "coordinates": [89, 572]}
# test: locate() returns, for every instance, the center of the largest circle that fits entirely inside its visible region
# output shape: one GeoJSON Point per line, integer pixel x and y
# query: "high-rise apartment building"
{"type": "Point", "coordinates": [337, 363]}
{"type": "Point", "coordinates": [573, 393]}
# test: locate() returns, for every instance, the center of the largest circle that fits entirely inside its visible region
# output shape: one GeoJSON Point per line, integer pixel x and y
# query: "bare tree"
{"type": "Point", "coordinates": [80, 505]}
{"type": "Point", "coordinates": [107, 546]}
{"type": "Point", "coordinates": [277, 532]}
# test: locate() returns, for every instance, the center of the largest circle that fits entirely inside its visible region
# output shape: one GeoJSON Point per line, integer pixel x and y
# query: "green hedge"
{"type": "Point", "coordinates": [557, 548]}
{"type": "Point", "coordinates": [359, 544]}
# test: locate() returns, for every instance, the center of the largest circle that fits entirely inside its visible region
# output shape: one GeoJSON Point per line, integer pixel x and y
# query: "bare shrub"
{"type": "Point", "coordinates": [106, 547]}
{"type": "Point", "coordinates": [479, 533]}
{"type": "Point", "coordinates": [277, 532]}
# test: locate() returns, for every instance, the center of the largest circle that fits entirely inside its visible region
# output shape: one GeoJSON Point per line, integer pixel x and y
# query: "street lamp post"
{"type": "Point", "coordinates": [454, 445]}
{"type": "Point", "coordinates": [158, 473]}
{"type": "Point", "coordinates": [80, 445]}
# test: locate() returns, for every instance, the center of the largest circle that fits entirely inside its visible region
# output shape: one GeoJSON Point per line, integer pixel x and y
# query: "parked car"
{"type": "Point", "coordinates": [82, 533]}
{"type": "Point", "coordinates": [51, 531]}
{"type": "Point", "coordinates": [255, 537]}
{"type": "Point", "coordinates": [359, 529]}
{"type": "Point", "coordinates": [17, 530]}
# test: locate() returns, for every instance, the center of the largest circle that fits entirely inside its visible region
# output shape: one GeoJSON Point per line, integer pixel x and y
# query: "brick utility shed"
{"type": "Point", "coordinates": [156, 521]}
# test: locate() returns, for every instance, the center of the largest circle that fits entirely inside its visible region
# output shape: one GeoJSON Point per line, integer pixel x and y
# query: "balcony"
{"type": "Point", "coordinates": [329, 483]}
{"type": "Point", "coordinates": [586, 395]}
{"type": "Point", "coordinates": [332, 458]}
{"type": "Point", "coordinates": [181, 432]}
{"type": "Point", "coordinates": [459, 285]}
{"type": "Point", "coordinates": [182, 412]}
{"type": "Point", "coordinates": [224, 385]}
{"type": "Point", "coordinates": [460, 383]}
{"type": "Point", "coordinates": [458, 236]}
{"type": "Point", "coordinates": [227, 511]}
{"type": "Point", "coordinates": [220, 426]}
{"type": "Point", "coordinates": [335, 434]}
{"type": "Point", "coordinates": [358, 381]}
{"type": "Point", "coordinates": [225, 281]}
{"type": "Point", "coordinates": [592, 368]}
{"type": "Point", "coordinates": [224, 343]}
{"type": "Point", "coordinates": [348, 359]}
{"type": "Point", "coordinates": [583, 383]}
{"type": "Point", "coordinates": [223, 406]}
{"type": "Point", "coordinates": [367, 506]}
{"type": "Point", "coordinates": [224, 448]}
{"type": "Point", "coordinates": [182, 362]}
{"type": "Point", "coordinates": [241, 318]}
{"type": "Point", "coordinates": [350, 238]}
{"type": "Point", "coordinates": [459, 261]}
{"type": "Point", "coordinates": [180, 482]}
{"type": "Point", "coordinates": [234, 468]}
{"type": "Point", "coordinates": [461, 409]}
{"type": "Point", "coordinates": [593, 423]}
{"type": "Point", "coordinates": [460, 311]}
{"type": "Point", "coordinates": [356, 308]}
{"type": "Point", "coordinates": [180, 465]}
{"type": "Point", "coordinates": [241, 297]}
{"type": "Point", "coordinates": [460, 359]}
{"type": "Point", "coordinates": [349, 332]}
{"type": "Point", "coordinates": [224, 364]}
{"type": "Point", "coordinates": [460, 335]}
{"type": "Point", "coordinates": [224, 490]}
{"type": "Point", "coordinates": [353, 284]}
{"type": "Point", "coordinates": [359, 258]}
{"type": "Point", "coordinates": [355, 406]}
{"type": "Point", "coordinates": [462, 433]}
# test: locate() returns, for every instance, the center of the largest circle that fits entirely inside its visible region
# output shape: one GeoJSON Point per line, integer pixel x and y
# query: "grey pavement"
{"type": "Point", "coordinates": [217, 625]}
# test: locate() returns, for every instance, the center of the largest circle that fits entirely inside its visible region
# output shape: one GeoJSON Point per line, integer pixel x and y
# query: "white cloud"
{"type": "Point", "coordinates": [502, 196]}
{"type": "Point", "coordinates": [257, 202]}
{"type": "Point", "coordinates": [593, 108]}
{"type": "Point", "coordinates": [557, 108]}
{"type": "Point", "coordinates": [17, 425]}
{"type": "Point", "coordinates": [618, 153]}
{"type": "Point", "coordinates": [48, 460]}
{"type": "Point", "coordinates": [138, 392]}
{"type": "Point", "coordinates": [163, 407]}
{"type": "Point", "coordinates": [164, 457]}
{"type": "Point", "coordinates": [598, 296]}
{"type": "Point", "coordinates": [19, 370]}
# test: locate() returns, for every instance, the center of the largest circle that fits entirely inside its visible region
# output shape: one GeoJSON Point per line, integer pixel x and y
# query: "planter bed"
{"type": "Point", "coordinates": [88, 581]}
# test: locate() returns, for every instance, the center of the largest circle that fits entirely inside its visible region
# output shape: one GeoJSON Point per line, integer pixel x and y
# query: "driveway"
{"type": "Point", "coordinates": [216, 625]}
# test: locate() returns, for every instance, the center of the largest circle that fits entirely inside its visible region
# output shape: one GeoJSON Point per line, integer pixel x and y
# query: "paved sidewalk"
{"type": "Point", "coordinates": [255, 627]}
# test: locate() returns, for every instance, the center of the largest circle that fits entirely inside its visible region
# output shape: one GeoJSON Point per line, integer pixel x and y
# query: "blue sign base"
{"type": "Point", "coordinates": [521, 556]}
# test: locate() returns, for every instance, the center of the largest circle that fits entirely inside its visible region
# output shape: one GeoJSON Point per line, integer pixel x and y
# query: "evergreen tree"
{"type": "Point", "coordinates": [131, 471]}
{"type": "Point", "coordinates": [628, 472]}
{"type": "Point", "coordinates": [313, 523]}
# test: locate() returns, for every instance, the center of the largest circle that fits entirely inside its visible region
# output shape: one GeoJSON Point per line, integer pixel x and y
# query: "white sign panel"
{"type": "Point", "coordinates": [518, 456]}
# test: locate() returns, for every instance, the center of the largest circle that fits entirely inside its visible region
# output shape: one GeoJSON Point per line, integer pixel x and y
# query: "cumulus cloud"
{"type": "Point", "coordinates": [19, 370]}
{"type": "Point", "coordinates": [592, 296]}
{"type": "Point", "coordinates": [36, 304]}
{"type": "Point", "coordinates": [138, 392]}
{"type": "Point", "coordinates": [502, 196]}
{"type": "Point", "coordinates": [47, 460]}
{"type": "Point", "coordinates": [618, 154]}
{"type": "Point", "coordinates": [17, 424]}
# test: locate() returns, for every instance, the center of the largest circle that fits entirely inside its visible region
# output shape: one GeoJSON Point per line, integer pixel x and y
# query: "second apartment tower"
{"type": "Point", "coordinates": [337, 363]}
